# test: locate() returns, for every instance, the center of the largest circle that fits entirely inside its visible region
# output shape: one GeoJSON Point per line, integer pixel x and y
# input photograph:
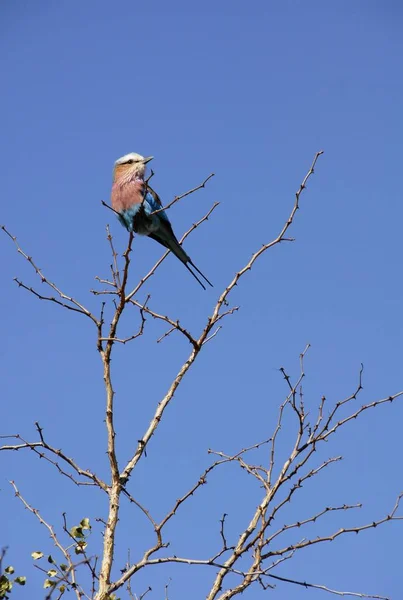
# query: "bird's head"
{"type": "Point", "coordinates": [131, 166]}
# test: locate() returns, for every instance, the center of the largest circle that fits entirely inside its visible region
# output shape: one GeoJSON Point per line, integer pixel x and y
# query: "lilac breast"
{"type": "Point", "coordinates": [124, 195]}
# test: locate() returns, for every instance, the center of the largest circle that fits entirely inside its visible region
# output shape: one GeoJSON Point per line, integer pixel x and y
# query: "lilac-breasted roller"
{"type": "Point", "coordinates": [135, 202]}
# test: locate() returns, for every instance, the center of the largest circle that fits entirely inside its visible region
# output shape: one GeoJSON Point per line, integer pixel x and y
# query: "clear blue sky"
{"type": "Point", "coordinates": [250, 91]}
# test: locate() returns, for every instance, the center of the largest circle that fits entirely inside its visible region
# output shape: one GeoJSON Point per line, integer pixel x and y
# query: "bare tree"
{"type": "Point", "coordinates": [261, 546]}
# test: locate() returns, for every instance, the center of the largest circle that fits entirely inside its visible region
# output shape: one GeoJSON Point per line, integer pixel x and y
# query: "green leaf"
{"type": "Point", "coordinates": [85, 523]}
{"type": "Point", "coordinates": [62, 589]}
{"type": "Point", "coordinates": [77, 531]}
{"type": "Point", "coordinates": [9, 570]}
{"type": "Point", "coordinates": [48, 583]}
{"type": "Point", "coordinates": [81, 546]}
{"type": "Point", "coordinates": [63, 567]}
{"type": "Point", "coordinates": [20, 580]}
{"type": "Point", "coordinates": [50, 560]}
{"type": "Point", "coordinates": [52, 573]}
{"type": "Point", "coordinates": [37, 555]}
{"type": "Point", "coordinates": [5, 586]}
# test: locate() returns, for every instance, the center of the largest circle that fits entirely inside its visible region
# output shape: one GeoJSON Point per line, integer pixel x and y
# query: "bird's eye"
{"type": "Point", "coordinates": [130, 162]}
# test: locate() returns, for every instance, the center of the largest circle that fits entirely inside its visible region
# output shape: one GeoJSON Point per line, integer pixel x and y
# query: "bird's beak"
{"type": "Point", "coordinates": [147, 159]}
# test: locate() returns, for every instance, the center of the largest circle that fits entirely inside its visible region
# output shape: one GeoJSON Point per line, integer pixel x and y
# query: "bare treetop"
{"type": "Point", "coordinates": [237, 563]}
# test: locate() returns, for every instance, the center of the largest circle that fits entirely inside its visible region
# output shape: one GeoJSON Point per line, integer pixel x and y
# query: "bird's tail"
{"type": "Point", "coordinates": [194, 274]}
{"type": "Point", "coordinates": [173, 245]}
{"type": "Point", "coordinates": [179, 252]}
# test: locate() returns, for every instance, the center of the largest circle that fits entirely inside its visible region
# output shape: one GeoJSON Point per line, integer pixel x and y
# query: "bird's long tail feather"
{"type": "Point", "coordinates": [200, 273]}
{"type": "Point", "coordinates": [194, 275]}
{"type": "Point", "coordinates": [173, 245]}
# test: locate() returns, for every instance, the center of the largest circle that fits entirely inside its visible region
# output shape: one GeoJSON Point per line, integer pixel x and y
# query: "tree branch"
{"type": "Point", "coordinates": [177, 198]}
{"type": "Point", "coordinates": [77, 306]}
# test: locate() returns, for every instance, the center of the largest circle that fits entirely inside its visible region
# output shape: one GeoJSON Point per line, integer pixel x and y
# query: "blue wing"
{"type": "Point", "coordinates": [154, 203]}
{"type": "Point", "coordinates": [136, 215]}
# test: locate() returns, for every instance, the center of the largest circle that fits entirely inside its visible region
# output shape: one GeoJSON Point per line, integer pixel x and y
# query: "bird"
{"type": "Point", "coordinates": [136, 203]}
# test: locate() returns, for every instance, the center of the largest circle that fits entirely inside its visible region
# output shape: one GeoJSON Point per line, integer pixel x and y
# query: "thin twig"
{"type": "Point", "coordinates": [52, 534]}
{"type": "Point", "coordinates": [325, 589]}
{"type": "Point", "coordinates": [77, 306]}
{"type": "Point", "coordinates": [57, 452]}
{"type": "Point", "coordinates": [177, 198]}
